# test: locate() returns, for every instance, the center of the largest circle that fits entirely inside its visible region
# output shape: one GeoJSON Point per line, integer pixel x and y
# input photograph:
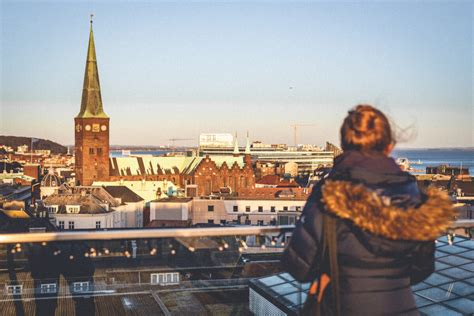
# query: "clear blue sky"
{"type": "Point", "coordinates": [174, 70]}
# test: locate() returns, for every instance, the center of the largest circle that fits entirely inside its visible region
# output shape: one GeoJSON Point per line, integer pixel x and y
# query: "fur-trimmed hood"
{"type": "Point", "coordinates": [375, 214]}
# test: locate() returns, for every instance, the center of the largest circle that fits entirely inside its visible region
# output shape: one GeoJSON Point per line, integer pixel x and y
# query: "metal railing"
{"type": "Point", "coordinates": [167, 233]}
{"type": "Point", "coordinates": [144, 233]}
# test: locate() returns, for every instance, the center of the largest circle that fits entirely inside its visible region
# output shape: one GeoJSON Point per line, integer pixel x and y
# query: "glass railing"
{"type": "Point", "coordinates": [189, 271]}
{"type": "Point", "coordinates": [198, 271]}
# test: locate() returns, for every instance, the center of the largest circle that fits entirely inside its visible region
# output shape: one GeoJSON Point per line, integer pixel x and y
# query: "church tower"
{"type": "Point", "coordinates": [91, 127]}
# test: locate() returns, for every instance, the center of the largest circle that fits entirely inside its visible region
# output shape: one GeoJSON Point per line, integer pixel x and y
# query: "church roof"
{"type": "Point", "coordinates": [148, 165]}
{"type": "Point", "coordinates": [91, 104]}
{"type": "Point", "coordinates": [229, 160]}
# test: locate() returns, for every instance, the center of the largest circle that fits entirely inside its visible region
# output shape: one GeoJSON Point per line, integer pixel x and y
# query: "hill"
{"type": "Point", "coordinates": [15, 141]}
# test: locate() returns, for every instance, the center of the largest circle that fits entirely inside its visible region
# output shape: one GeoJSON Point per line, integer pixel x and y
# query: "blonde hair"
{"type": "Point", "coordinates": [366, 128]}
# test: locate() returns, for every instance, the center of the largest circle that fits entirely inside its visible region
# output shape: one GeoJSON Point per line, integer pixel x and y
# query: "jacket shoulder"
{"type": "Point", "coordinates": [382, 216]}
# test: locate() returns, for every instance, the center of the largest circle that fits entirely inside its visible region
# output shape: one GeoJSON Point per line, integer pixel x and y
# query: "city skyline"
{"type": "Point", "coordinates": [172, 70]}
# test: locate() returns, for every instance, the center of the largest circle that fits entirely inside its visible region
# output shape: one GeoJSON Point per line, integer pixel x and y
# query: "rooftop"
{"type": "Point", "coordinates": [124, 193]}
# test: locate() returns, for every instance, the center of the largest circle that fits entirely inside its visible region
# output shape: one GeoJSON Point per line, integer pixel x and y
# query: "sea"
{"type": "Point", "coordinates": [419, 158]}
{"type": "Point", "coordinates": [422, 158]}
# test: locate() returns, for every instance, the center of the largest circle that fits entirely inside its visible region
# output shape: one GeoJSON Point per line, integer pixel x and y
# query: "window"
{"type": "Point", "coordinates": [97, 225]}
{"type": "Point", "coordinates": [283, 220]}
{"type": "Point", "coordinates": [91, 151]}
{"type": "Point", "coordinates": [175, 278]}
{"type": "Point", "coordinates": [52, 209]}
{"type": "Point", "coordinates": [71, 225]}
{"type": "Point", "coordinates": [48, 288]}
{"type": "Point", "coordinates": [292, 220]}
{"type": "Point", "coordinates": [298, 208]}
{"type": "Point", "coordinates": [260, 209]}
{"type": "Point", "coordinates": [210, 208]}
{"type": "Point", "coordinates": [99, 151]}
{"type": "Point", "coordinates": [208, 187]}
{"type": "Point", "coordinates": [285, 208]}
{"type": "Point", "coordinates": [80, 286]}
{"type": "Point", "coordinates": [73, 209]}
{"type": "Point", "coordinates": [14, 289]}
{"type": "Point", "coordinates": [164, 278]}
{"type": "Point", "coordinates": [247, 209]}
{"type": "Point", "coordinates": [286, 220]}
{"type": "Point", "coordinates": [236, 208]}
{"type": "Point", "coordinates": [272, 209]}
{"type": "Point", "coordinates": [223, 221]}
{"type": "Point", "coordinates": [61, 224]}
{"type": "Point", "coordinates": [260, 222]}
{"type": "Point", "coordinates": [210, 221]}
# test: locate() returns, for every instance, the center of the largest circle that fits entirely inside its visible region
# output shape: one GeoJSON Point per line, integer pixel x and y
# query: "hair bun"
{"type": "Point", "coordinates": [366, 128]}
{"type": "Point", "coordinates": [363, 119]}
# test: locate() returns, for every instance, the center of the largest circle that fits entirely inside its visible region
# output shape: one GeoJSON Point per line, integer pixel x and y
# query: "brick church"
{"type": "Point", "coordinates": [92, 163]}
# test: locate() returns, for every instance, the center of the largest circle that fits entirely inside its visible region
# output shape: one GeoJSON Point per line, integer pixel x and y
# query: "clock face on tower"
{"type": "Point", "coordinates": [88, 127]}
{"type": "Point", "coordinates": [103, 128]}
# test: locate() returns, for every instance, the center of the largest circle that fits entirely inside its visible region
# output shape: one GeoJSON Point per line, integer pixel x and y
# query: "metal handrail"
{"type": "Point", "coordinates": [146, 233]}
{"type": "Point", "coordinates": [462, 223]}
{"type": "Point", "coordinates": [142, 233]}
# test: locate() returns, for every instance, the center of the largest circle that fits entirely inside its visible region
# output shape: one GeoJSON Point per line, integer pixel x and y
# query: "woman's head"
{"type": "Point", "coordinates": [366, 128]}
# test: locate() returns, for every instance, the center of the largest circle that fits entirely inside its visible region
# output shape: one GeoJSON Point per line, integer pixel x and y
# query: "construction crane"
{"type": "Point", "coordinates": [173, 140]}
{"type": "Point", "coordinates": [295, 131]}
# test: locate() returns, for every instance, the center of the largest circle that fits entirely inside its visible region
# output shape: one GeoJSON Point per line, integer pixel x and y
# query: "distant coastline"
{"type": "Point", "coordinates": [158, 147]}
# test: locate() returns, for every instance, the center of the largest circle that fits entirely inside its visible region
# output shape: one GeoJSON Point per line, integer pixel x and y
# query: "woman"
{"type": "Point", "coordinates": [385, 227]}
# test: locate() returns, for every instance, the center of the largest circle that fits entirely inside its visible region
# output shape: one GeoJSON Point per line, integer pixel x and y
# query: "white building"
{"type": "Point", "coordinates": [282, 211]}
{"type": "Point", "coordinates": [87, 207]}
{"type": "Point", "coordinates": [131, 205]}
{"type": "Point", "coordinates": [171, 209]}
{"type": "Point", "coordinates": [223, 140]}
{"type": "Point", "coordinates": [22, 149]}
{"type": "Point", "coordinates": [83, 210]}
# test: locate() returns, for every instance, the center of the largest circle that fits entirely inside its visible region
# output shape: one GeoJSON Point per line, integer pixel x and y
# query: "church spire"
{"type": "Point", "coordinates": [247, 145]}
{"type": "Point", "coordinates": [91, 104]}
{"type": "Point", "coordinates": [236, 146]}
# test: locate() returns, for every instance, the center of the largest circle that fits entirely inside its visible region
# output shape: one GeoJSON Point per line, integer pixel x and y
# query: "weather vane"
{"type": "Point", "coordinates": [92, 15]}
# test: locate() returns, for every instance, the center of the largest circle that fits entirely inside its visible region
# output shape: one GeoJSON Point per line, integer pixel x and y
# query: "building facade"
{"type": "Point", "coordinates": [247, 211]}
{"type": "Point", "coordinates": [198, 176]}
{"type": "Point", "coordinates": [87, 207]}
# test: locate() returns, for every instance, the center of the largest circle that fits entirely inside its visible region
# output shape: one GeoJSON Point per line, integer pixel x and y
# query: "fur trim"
{"type": "Point", "coordinates": [366, 209]}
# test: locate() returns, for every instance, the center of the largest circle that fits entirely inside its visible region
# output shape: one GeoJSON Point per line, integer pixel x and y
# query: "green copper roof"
{"type": "Point", "coordinates": [91, 104]}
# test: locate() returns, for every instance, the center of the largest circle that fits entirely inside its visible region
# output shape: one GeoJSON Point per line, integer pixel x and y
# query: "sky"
{"type": "Point", "coordinates": [178, 69]}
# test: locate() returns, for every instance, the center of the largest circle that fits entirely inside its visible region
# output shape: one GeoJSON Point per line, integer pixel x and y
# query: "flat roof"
{"type": "Point", "coordinates": [448, 291]}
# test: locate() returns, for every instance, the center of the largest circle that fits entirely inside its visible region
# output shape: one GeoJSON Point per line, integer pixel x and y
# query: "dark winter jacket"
{"type": "Point", "coordinates": [385, 229]}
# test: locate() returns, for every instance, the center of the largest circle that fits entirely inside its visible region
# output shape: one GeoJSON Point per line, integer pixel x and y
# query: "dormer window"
{"type": "Point", "coordinates": [52, 209]}
{"type": "Point", "coordinates": [73, 209]}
